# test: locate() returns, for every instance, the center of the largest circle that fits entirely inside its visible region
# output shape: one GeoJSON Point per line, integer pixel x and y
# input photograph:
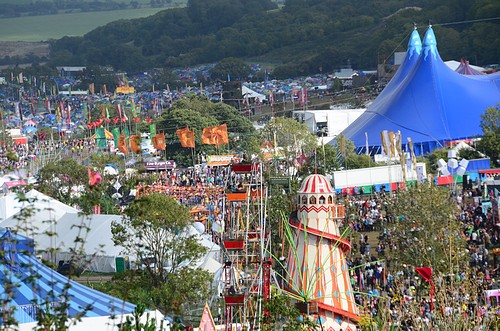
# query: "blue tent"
{"type": "Point", "coordinates": [428, 102]}
{"type": "Point", "coordinates": [37, 285]}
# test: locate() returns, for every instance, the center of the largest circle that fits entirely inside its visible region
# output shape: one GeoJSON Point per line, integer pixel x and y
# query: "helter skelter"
{"type": "Point", "coordinates": [316, 272]}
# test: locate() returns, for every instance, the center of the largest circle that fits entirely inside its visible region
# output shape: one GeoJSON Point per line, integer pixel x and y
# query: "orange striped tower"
{"type": "Point", "coordinates": [317, 270]}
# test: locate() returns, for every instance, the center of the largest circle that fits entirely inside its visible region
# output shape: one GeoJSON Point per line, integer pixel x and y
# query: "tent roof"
{"type": "Point", "coordinates": [432, 104]}
{"type": "Point", "coordinates": [48, 286]}
{"type": "Point", "coordinates": [466, 69]}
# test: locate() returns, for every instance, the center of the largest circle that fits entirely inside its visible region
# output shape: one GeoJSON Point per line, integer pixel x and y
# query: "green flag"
{"type": "Point", "coordinates": [116, 135]}
{"type": "Point", "coordinates": [100, 137]}
{"type": "Point", "coordinates": [152, 129]}
{"type": "Point", "coordinates": [125, 130]}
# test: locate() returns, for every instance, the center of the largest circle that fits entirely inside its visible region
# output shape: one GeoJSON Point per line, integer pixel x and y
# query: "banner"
{"type": "Point", "coordinates": [215, 135]}
{"type": "Point", "coordinates": [159, 142]}
{"type": "Point", "coordinates": [100, 137]}
{"type": "Point", "coordinates": [122, 144]}
{"type": "Point", "coordinates": [186, 137]}
{"type": "Point", "coordinates": [135, 144]}
{"type": "Point", "coordinates": [152, 129]}
{"type": "Point", "coordinates": [116, 136]}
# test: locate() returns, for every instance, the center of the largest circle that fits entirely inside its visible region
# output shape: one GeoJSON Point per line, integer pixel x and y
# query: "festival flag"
{"type": "Point", "coordinates": [68, 113]}
{"type": "Point", "coordinates": [221, 133]}
{"type": "Point", "coordinates": [412, 153]}
{"type": "Point", "coordinates": [122, 144]}
{"type": "Point", "coordinates": [127, 134]}
{"type": "Point", "coordinates": [384, 135]}
{"type": "Point", "coordinates": [91, 88]}
{"type": "Point", "coordinates": [207, 136]}
{"type": "Point", "coordinates": [392, 143]}
{"type": "Point", "coordinates": [134, 111]}
{"type": "Point", "coordinates": [119, 110]}
{"type": "Point", "coordinates": [186, 137]}
{"type": "Point", "coordinates": [159, 141]}
{"type": "Point", "coordinates": [367, 152]}
{"type": "Point", "coordinates": [135, 144]}
{"type": "Point", "coordinates": [116, 136]}
{"type": "Point", "coordinates": [104, 89]}
{"type": "Point", "coordinates": [94, 177]}
{"type": "Point", "coordinates": [58, 113]}
{"type": "Point", "coordinates": [342, 146]}
{"type": "Point", "coordinates": [100, 137]}
{"type": "Point", "coordinates": [215, 135]}
{"type": "Point", "coordinates": [152, 129]}
{"type": "Point", "coordinates": [20, 78]}
{"type": "Point", "coordinates": [426, 274]}
{"type": "Point", "coordinates": [207, 321]}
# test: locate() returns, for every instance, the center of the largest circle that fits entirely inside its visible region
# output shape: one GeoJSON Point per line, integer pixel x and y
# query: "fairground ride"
{"type": "Point", "coordinates": [246, 241]}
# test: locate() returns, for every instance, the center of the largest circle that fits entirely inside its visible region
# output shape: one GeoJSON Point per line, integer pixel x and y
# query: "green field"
{"type": "Point", "coordinates": [43, 28]}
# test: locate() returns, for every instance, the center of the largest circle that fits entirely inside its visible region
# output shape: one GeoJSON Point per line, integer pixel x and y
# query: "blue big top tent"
{"type": "Point", "coordinates": [36, 286]}
{"type": "Point", "coordinates": [426, 101]}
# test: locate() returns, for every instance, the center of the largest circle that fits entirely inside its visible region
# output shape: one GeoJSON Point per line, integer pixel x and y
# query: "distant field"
{"type": "Point", "coordinates": [43, 28]}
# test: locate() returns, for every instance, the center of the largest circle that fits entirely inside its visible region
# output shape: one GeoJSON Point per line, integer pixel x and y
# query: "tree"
{"type": "Point", "coordinates": [58, 180]}
{"type": "Point", "coordinates": [230, 68]}
{"type": "Point", "coordinates": [156, 232]}
{"type": "Point", "coordinates": [490, 142]}
{"type": "Point", "coordinates": [284, 316]}
{"type": "Point", "coordinates": [290, 136]}
{"type": "Point", "coordinates": [427, 232]}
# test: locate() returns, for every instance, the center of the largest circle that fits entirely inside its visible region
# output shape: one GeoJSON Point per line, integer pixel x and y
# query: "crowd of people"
{"type": "Point", "coordinates": [398, 292]}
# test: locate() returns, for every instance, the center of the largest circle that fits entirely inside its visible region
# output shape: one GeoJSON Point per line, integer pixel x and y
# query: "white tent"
{"type": "Point", "coordinates": [248, 93]}
{"type": "Point", "coordinates": [335, 120]}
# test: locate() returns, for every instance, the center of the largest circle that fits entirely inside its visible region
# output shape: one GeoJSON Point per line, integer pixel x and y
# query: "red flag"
{"type": "Point", "coordinates": [426, 274]}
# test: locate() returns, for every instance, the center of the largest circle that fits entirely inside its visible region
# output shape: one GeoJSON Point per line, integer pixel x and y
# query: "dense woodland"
{"type": "Point", "coordinates": [300, 38]}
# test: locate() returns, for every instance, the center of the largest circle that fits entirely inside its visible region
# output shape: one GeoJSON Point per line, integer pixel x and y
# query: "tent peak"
{"type": "Point", "coordinates": [414, 44]}
{"type": "Point", "coordinates": [430, 43]}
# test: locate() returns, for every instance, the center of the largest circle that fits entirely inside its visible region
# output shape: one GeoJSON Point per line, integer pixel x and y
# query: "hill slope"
{"type": "Point", "coordinates": [303, 37]}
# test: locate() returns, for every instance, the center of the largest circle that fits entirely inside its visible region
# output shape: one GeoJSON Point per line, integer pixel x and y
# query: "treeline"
{"type": "Point", "coordinates": [51, 7]}
{"type": "Point", "coordinates": [303, 37]}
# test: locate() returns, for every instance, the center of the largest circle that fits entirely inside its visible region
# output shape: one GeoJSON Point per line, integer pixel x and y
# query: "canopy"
{"type": "Point", "coordinates": [432, 104]}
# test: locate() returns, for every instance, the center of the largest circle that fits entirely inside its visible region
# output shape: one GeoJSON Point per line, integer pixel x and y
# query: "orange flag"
{"type": "Point", "coordinates": [215, 135]}
{"type": "Point", "coordinates": [221, 132]}
{"type": "Point", "coordinates": [135, 144]}
{"type": "Point", "coordinates": [159, 141]}
{"type": "Point", "coordinates": [186, 137]}
{"type": "Point", "coordinates": [207, 137]}
{"type": "Point", "coordinates": [122, 144]}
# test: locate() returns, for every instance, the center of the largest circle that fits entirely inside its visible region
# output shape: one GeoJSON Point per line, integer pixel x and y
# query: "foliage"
{"type": "Point", "coordinates": [490, 142]}
{"type": "Point", "coordinates": [290, 136]}
{"type": "Point", "coordinates": [282, 315]}
{"type": "Point", "coordinates": [58, 179]}
{"type": "Point", "coordinates": [197, 113]}
{"type": "Point", "coordinates": [133, 323]}
{"type": "Point", "coordinates": [426, 230]}
{"type": "Point", "coordinates": [299, 36]}
{"type": "Point", "coordinates": [230, 68]}
{"type": "Point", "coordinates": [432, 158]}
{"type": "Point", "coordinates": [156, 232]}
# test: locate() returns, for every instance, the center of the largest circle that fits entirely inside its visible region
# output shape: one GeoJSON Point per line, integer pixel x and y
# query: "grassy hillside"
{"type": "Point", "coordinates": [41, 28]}
{"type": "Point", "coordinates": [75, 21]}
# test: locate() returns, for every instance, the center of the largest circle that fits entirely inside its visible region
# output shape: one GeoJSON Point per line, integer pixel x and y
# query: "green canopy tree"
{"type": "Point", "coordinates": [235, 68]}
{"type": "Point", "coordinates": [155, 232]}
{"type": "Point", "coordinates": [58, 178]}
{"type": "Point", "coordinates": [490, 142]}
{"type": "Point", "coordinates": [290, 137]}
{"type": "Point", "coordinates": [427, 231]}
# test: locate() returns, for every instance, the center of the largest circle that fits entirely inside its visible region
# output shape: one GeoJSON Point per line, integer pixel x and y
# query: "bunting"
{"type": "Point", "coordinates": [186, 137]}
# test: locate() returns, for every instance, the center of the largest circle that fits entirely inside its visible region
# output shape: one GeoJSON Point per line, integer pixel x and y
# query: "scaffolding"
{"type": "Point", "coordinates": [246, 241]}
